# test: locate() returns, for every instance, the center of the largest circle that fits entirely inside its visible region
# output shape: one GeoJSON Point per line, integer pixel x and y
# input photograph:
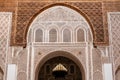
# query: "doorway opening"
{"type": "Point", "coordinates": [73, 70]}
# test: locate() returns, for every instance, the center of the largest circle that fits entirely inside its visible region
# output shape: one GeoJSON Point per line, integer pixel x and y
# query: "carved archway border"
{"type": "Point", "coordinates": [56, 54]}
{"type": "Point", "coordinates": [60, 4]}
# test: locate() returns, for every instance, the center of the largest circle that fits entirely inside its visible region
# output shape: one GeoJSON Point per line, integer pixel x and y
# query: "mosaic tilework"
{"type": "Point", "coordinates": [115, 37]}
{"type": "Point", "coordinates": [5, 26]}
{"type": "Point", "coordinates": [27, 10]}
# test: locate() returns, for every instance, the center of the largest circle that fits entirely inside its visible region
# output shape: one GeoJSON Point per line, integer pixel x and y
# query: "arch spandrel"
{"type": "Point", "coordinates": [91, 11]}
{"type": "Point", "coordinates": [61, 15]}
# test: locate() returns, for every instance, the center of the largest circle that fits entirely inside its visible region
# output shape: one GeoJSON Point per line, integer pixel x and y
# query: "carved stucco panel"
{"type": "Point", "coordinates": [114, 25]}
{"type": "Point", "coordinates": [41, 52]}
{"type": "Point", "coordinates": [5, 27]}
{"type": "Point", "coordinates": [28, 10]}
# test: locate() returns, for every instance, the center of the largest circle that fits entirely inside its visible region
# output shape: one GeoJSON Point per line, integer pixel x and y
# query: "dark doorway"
{"type": "Point", "coordinates": [74, 72]}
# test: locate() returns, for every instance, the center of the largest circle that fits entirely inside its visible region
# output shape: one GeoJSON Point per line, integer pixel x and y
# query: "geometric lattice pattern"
{"type": "Point", "coordinates": [5, 26]}
{"type": "Point", "coordinates": [94, 12]}
{"type": "Point", "coordinates": [115, 30]}
{"type": "Point", "coordinates": [28, 10]}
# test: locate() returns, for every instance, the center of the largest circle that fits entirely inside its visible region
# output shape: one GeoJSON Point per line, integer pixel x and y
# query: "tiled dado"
{"type": "Point", "coordinates": [27, 11]}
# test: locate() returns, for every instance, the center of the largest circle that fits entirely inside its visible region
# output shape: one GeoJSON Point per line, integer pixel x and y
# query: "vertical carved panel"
{"type": "Point", "coordinates": [94, 12]}
{"type": "Point", "coordinates": [22, 65]}
{"type": "Point", "coordinates": [5, 26]}
{"type": "Point", "coordinates": [114, 22]}
{"type": "Point", "coordinates": [22, 76]}
{"type": "Point", "coordinates": [97, 65]}
{"type": "Point", "coordinates": [22, 62]}
{"type": "Point", "coordinates": [97, 75]}
{"type": "Point", "coordinates": [25, 12]}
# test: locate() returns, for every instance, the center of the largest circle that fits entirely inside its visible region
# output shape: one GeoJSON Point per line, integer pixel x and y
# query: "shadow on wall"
{"type": "Point", "coordinates": [117, 74]}
{"type": "Point", "coordinates": [1, 74]}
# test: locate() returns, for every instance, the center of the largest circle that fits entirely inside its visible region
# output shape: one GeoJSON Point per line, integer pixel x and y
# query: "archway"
{"type": "Point", "coordinates": [60, 17]}
{"type": "Point", "coordinates": [73, 70]}
{"type": "Point", "coordinates": [44, 68]}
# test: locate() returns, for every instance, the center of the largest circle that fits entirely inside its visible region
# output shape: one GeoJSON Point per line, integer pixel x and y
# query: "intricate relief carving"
{"type": "Point", "coordinates": [45, 50]}
{"type": "Point", "coordinates": [105, 52]}
{"type": "Point", "coordinates": [22, 76]}
{"type": "Point", "coordinates": [60, 18]}
{"type": "Point", "coordinates": [22, 61]}
{"type": "Point", "coordinates": [114, 21]}
{"type": "Point", "coordinates": [5, 26]}
{"type": "Point", "coordinates": [97, 75]}
{"type": "Point", "coordinates": [27, 10]}
{"type": "Point", "coordinates": [97, 64]}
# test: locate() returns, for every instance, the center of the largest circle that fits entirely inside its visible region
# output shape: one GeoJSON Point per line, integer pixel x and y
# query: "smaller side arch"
{"type": "Point", "coordinates": [53, 35]}
{"type": "Point", "coordinates": [22, 75]}
{"type": "Point", "coordinates": [32, 32]}
{"type": "Point", "coordinates": [97, 75]}
{"type": "Point", "coordinates": [66, 35]}
{"type": "Point", "coordinates": [80, 35]}
{"type": "Point", "coordinates": [87, 34]}
{"type": "Point", "coordinates": [38, 35]}
{"type": "Point", "coordinates": [56, 29]}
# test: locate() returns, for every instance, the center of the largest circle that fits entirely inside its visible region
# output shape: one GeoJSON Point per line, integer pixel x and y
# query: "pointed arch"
{"type": "Point", "coordinates": [97, 75]}
{"type": "Point", "coordinates": [60, 4]}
